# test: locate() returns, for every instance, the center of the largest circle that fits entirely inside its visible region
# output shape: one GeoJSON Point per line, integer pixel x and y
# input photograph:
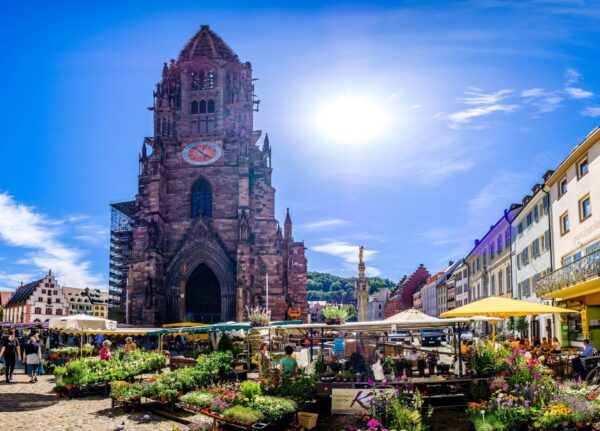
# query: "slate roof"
{"type": "Point", "coordinates": [23, 292]}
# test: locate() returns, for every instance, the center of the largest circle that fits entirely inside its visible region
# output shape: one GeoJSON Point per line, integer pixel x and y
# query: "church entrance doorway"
{"type": "Point", "coordinates": [203, 296]}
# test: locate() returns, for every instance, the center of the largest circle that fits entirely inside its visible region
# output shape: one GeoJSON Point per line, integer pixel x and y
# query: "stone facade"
{"type": "Point", "coordinates": [204, 233]}
{"type": "Point", "coordinates": [377, 303]}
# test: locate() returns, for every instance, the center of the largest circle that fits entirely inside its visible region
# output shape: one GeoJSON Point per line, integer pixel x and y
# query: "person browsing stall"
{"type": "Point", "coordinates": [105, 354]}
{"type": "Point", "coordinates": [287, 364]}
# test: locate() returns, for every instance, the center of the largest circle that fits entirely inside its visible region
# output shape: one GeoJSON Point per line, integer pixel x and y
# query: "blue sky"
{"type": "Point", "coordinates": [461, 107]}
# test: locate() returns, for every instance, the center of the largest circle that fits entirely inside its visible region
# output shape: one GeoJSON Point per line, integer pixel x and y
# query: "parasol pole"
{"type": "Point", "coordinates": [494, 323]}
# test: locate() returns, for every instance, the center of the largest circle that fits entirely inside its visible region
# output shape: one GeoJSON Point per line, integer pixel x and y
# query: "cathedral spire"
{"type": "Point", "coordinates": [287, 226]}
{"type": "Point", "coordinates": [207, 44]}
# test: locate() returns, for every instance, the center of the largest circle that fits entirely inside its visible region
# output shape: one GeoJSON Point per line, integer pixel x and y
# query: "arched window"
{"type": "Point", "coordinates": [201, 199]}
{"type": "Point", "coordinates": [211, 105]}
{"type": "Point", "coordinates": [203, 106]}
{"type": "Point", "coordinates": [194, 107]}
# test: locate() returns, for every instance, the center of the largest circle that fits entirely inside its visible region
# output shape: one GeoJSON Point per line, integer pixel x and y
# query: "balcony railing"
{"type": "Point", "coordinates": [577, 272]}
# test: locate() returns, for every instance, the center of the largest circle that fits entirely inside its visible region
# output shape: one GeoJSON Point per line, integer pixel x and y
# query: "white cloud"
{"type": "Point", "coordinates": [544, 101]}
{"type": "Point", "coordinates": [578, 93]}
{"type": "Point", "coordinates": [23, 227]}
{"type": "Point", "coordinates": [572, 76]}
{"type": "Point", "coordinates": [322, 224]}
{"type": "Point", "coordinates": [483, 104]}
{"type": "Point", "coordinates": [14, 280]}
{"type": "Point", "coordinates": [591, 111]}
{"type": "Point", "coordinates": [349, 254]}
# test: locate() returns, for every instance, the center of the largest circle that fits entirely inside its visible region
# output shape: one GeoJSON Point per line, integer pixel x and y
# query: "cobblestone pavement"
{"type": "Point", "coordinates": [33, 407]}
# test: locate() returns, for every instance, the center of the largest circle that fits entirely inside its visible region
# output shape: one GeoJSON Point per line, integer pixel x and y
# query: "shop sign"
{"type": "Point", "coordinates": [349, 401]}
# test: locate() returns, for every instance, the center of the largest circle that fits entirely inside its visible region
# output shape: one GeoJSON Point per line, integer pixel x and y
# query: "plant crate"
{"type": "Point", "coordinates": [308, 420]}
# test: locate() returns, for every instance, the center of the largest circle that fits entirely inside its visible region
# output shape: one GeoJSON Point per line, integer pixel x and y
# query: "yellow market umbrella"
{"type": "Point", "coordinates": [495, 306]}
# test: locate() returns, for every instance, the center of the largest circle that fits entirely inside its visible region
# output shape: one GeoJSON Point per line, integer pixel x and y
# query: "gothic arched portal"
{"type": "Point", "coordinates": [203, 296]}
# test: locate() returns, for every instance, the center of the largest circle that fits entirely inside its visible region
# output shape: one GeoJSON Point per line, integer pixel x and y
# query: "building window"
{"type": "Point", "coordinates": [49, 311]}
{"type": "Point", "coordinates": [57, 301]}
{"type": "Point", "coordinates": [211, 106]}
{"type": "Point", "coordinates": [506, 237]}
{"type": "Point", "coordinates": [38, 310]}
{"type": "Point", "coordinates": [585, 208]}
{"type": "Point", "coordinates": [500, 286]}
{"type": "Point", "coordinates": [564, 223]}
{"type": "Point", "coordinates": [562, 186]}
{"type": "Point", "coordinates": [59, 312]}
{"type": "Point", "coordinates": [493, 285]}
{"type": "Point", "coordinates": [499, 244]}
{"type": "Point", "coordinates": [201, 199]}
{"type": "Point", "coordinates": [492, 251]}
{"type": "Point", "coordinates": [202, 107]}
{"type": "Point", "coordinates": [43, 291]}
{"type": "Point", "coordinates": [194, 107]}
{"type": "Point", "coordinates": [508, 279]}
{"type": "Point", "coordinates": [582, 167]}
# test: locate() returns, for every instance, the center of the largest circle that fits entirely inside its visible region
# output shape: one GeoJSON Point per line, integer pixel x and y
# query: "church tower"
{"type": "Point", "coordinates": [204, 233]}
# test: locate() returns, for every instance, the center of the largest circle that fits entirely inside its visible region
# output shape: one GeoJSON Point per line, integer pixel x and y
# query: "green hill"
{"type": "Point", "coordinates": [332, 288]}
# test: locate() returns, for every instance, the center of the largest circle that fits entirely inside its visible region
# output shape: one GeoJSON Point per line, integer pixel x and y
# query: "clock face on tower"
{"type": "Point", "coordinates": [202, 153]}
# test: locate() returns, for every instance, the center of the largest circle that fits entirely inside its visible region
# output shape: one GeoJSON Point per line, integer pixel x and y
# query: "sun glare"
{"type": "Point", "coordinates": [352, 119]}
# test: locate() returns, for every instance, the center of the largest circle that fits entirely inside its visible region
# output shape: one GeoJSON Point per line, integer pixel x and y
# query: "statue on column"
{"type": "Point", "coordinates": [362, 288]}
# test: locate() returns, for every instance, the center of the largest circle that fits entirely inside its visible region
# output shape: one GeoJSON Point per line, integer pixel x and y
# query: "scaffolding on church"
{"type": "Point", "coordinates": [121, 241]}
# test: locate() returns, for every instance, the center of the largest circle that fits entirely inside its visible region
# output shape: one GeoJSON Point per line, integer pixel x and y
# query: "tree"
{"type": "Point", "coordinates": [352, 313]}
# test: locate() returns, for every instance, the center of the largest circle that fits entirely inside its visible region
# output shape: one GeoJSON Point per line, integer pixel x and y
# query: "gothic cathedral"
{"type": "Point", "coordinates": [206, 245]}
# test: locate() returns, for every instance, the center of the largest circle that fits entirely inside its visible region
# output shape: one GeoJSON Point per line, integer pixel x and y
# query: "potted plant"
{"type": "Point", "coordinates": [399, 367]}
{"type": "Point", "coordinates": [258, 316]}
{"type": "Point", "coordinates": [443, 369]}
{"type": "Point", "coordinates": [356, 365]}
{"type": "Point", "coordinates": [388, 366]}
{"type": "Point", "coordinates": [432, 360]}
{"type": "Point", "coordinates": [407, 366]}
{"type": "Point", "coordinates": [334, 314]}
{"type": "Point", "coordinates": [421, 364]}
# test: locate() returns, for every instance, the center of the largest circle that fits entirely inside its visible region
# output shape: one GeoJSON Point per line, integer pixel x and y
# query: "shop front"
{"type": "Point", "coordinates": [576, 286]}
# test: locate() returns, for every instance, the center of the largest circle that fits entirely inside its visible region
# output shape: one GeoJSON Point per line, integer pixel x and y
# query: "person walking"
{"type": "Point", "coordinates": [10, 351]}
{"type": "Point", "coordinates": [33, 357]}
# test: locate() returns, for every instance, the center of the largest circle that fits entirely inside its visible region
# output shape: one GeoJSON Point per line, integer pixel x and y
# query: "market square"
{"type": "Point", "coordinates": [437, 263]}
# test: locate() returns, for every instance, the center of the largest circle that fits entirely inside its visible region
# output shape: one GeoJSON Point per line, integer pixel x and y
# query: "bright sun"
{"type": "Point", "coordinates": [352, 119]}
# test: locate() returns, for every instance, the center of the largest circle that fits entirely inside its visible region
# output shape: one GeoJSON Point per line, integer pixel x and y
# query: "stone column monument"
{"type": "Point", "coordinates": [362, 288]}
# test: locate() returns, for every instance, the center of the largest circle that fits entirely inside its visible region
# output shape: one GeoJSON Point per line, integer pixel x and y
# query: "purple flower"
{"type": "Point", "coordinates": [370, 382]}
{"type": "Point", "coordinates": [374, 424]}
{"type": "Point", "coordinates": [537, 375]}
{"type": "Point", "coordinates": [385, 384]}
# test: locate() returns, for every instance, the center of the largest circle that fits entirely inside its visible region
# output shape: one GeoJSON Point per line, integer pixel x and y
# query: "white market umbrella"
{"type": "Point", "coordinates": [82, 322]}
{"type": "Point", "coordinates": [410, 315]}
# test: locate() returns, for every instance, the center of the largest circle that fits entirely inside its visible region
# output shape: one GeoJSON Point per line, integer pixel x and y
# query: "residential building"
{"type": "Point", "coordinates": [314, 310]}
{"type": "Point", "coordinates": [417, 300]}
{"type": "Point", "coordinates": [459, 280]}
{"type": "Point", "coordinates": [377, 301]}
{"type": "Point", "coordinates": [401, 298]}
{"type": "Point", "coordinates": [92, 302]}
{"type": "Point", "coordinates": [574, 189]}
{"type": "Point", "coordinates": [38, 301]}
{"type": "Point", "coordinates": [429, 296]}
{"type": "Point", "coordinates": [489, 261]}
{"type": "Point", "coordinates": [531, 256]}
{"type": "Point", "coordinates": [442, 289]}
